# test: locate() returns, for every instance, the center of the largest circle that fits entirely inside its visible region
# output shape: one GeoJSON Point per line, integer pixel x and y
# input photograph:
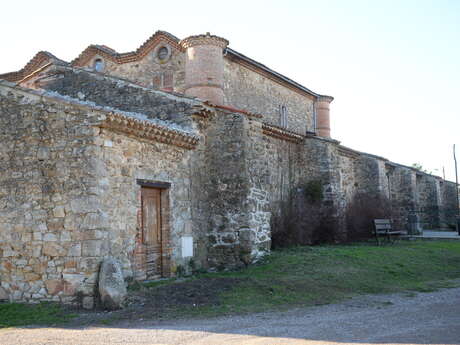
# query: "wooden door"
{"type": "Point", "coordinates": [151, 231]}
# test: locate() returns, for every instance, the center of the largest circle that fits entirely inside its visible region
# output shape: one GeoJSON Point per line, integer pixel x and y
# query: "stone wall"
{"type": "Point", "coordinates": [248, 90]}
{"type": "Point", "coordinates": [122, 161]}
{"type": "Point", "coordinates": [280, 171]}
{"type": "Point", "coordinates": [247, 177]}
{"type": "Point", "coordinates": [274, 172]}
{"type": "Point", "coordinates": [428, 196]}
{"type": "Point", "coordinates": [122, 95]}
{"type": "Point", "coordinates": [243, 88]}
{"type": "Point", "coordinates": [428, 200]}
{"type": "Point", "coordinates": [146, 71]}
{"type": "Point", "coordinates": [346, 174]}
{"type": "Point", "coordinates": [227, 189]}
{"type": "Point", "coordinates": [449, 208]}
{"type": "Point", "coordinates": [47, 198]}
{"type": "Point", "coordinates": [324, 164]}
{"type": "Point", "coordinates": [69, 191]}
{"type": "Point", "coordinates": [69, 197]}
{"type": "Point", "coordinates": [371, 175]}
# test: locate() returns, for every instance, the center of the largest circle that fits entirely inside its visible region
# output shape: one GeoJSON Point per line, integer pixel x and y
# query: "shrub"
{"type": "Point", "coordinates": [362, 210]}
{"type": "Point", "coordinates": [314, 191]}
{"type": "Point", "coordinates": [304, 218]}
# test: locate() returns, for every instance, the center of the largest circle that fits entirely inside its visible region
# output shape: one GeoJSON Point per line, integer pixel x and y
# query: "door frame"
{"type": "Point", "coordinates": [140, 254]}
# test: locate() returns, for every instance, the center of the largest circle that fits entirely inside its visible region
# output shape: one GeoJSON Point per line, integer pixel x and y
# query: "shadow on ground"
{"type": "Point", "coordinates": [423, 318]}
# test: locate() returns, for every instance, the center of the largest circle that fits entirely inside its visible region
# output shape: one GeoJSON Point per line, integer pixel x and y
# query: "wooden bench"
{"type": "Point", "coordinates": [382, 227]}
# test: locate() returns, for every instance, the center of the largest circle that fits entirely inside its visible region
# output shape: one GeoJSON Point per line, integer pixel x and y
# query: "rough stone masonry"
{"type": "Point", "coordinates": [177, 156]}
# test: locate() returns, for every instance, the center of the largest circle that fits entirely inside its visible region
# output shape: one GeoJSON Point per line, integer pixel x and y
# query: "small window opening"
{"type": "Point", "coordinates": [98, 65]}
{"type": "Point", "coordinates": [163, 53]}
{"type": "Point", "coordinates": [283, 116]}
{"type": "Point", "coordinates": [164, 81]}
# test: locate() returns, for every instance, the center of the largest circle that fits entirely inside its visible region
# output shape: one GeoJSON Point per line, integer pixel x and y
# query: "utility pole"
{"type": "Point", "coordinates": [456, 188]}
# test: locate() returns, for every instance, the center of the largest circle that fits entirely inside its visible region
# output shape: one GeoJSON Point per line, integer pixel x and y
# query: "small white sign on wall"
{"type": "Point", "coordinates": [187, 246]}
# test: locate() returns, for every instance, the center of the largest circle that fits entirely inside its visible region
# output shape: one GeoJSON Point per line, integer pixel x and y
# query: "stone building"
{"type": "Point", "coordinates": [175, 156]}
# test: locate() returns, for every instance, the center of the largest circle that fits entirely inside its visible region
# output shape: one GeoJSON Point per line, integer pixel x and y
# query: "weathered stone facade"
{"type": "Point", "coordinates": [65, 173]}
{"type": "Point", "coordinates": [254, 92]}
{"type": "Point", "coordinates": [101, 164]}
{"type": "Point", "coordinates": [47, 195]}
{"type": "Point", "coordinates": [144, 66]}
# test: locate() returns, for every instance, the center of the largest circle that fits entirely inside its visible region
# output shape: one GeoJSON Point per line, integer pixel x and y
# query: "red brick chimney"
{"type": "Point", "coordinates": [323, 122]}
{"type": "Point", "coordinates": [204, 67]}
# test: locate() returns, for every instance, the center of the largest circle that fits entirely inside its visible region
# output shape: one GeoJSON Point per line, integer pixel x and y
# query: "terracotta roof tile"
{"type": "Point", "coordinates": [39, 60]}
{"type": "Point", "coordinates": [120, 58]}
{"type": "Point", "coordinates": [160, 36]}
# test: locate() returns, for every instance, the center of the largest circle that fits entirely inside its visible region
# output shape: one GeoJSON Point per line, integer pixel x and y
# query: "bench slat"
{"type": "Point", "coordinates": [382, 227]}
{"type": "Point", "coordinates": [382, 221]}
{"type": "Point", "coordinates": [385, 232]}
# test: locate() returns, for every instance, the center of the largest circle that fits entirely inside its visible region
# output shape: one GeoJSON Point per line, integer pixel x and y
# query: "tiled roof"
{"type": "Point", "coordinates": [267, 72]}
{"type": "Point", "coordinates": [108, 53]}
{"type": "Point", "coordinates": [121, 121]}
{"type": "Point", "coordinates": [120, 58]}
{"type": "Point", "coordinates": [281, 133]}
{"type": "Point", "coordinates": [40, 59]}
{"type": "Point", "coordinates": [147, 130]}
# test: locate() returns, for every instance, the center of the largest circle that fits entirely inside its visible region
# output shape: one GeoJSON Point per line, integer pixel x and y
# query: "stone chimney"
{"type": "Point", "coordinates": [204, 67]}
{"type": "Point", "coordinates": [323, 122]}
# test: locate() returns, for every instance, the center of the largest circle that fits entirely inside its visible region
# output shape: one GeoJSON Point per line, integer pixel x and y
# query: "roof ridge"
{"type": "Point", "coordinates": [131, 56]}
{"type": "Point", "coordinates": [104, 47]}
{"type": "Point", "coordinates": [135, 116]}
{"type": "Point", "coordinates": [38, 60]}
{"type": "Point", "coordinates": [267, 69]}
{"type": "Point", "coordinates": [168, 94]}
{"type": "Point", "coordinates": [109, 53]}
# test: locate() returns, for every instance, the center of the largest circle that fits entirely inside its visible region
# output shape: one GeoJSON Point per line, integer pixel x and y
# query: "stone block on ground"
{"type": "Point", "coordinates": [3, 294]}
{"type": "Point", "coordinates": [112, 287]}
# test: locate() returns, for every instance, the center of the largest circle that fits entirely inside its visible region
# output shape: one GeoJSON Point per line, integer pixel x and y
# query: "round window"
{"type": "Point", "coordinates": [163, 53]}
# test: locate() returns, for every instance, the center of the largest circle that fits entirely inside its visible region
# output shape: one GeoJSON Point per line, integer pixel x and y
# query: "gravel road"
{"type": "Point", "coordinates": [426, 318]}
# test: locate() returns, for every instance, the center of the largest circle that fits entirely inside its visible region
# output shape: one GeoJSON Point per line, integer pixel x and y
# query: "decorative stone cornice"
{"type": "Point", "coordinates": [148, 130]}
{"type": "Point", "coordinates": [200, 40]}
{"type": "Point", "coordinates": [38, 61]}
{"type": "Point", "coordinates": [347, 152]}
{"type": "Point", "coordinates": [129, 123]}
{"type": "Point", "coordinates": [150, 44]}
{"type": "Point", "coordinates": [233, 110]}
{"type": "Point", "coordinates": [325, 98]}
{"type": "Point", "coordinates": [281, 133]}
{"type": "Point", "coordinates": [203, 112]}
{"type": "Point", "coordinates": [36, 72]}
{"type": "Point", "coordinates": [120, 58]}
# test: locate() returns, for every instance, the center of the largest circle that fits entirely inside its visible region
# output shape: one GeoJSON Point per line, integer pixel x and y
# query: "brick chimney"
{"type": "Point", "coordinates": [323, 122]}
{"type": "Point", "coordinates": [204, 67]}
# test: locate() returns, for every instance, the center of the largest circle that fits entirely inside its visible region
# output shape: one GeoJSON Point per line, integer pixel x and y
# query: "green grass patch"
{"type": "Point", "coordinates": [157, 283]}
{"type": "Point", "coordinates": [45, 313]}
{"type": "Point", "coordinates": [305, 276]}
{"type": "Point", "coordinates": [292, 277]}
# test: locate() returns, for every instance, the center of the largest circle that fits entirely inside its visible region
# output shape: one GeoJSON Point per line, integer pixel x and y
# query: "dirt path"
{"type": "Point", "coordinates": [427, 318]}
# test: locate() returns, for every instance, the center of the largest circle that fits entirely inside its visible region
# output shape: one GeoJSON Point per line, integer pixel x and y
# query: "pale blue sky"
{"type": "Point", "coordinates": [392, 66]}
